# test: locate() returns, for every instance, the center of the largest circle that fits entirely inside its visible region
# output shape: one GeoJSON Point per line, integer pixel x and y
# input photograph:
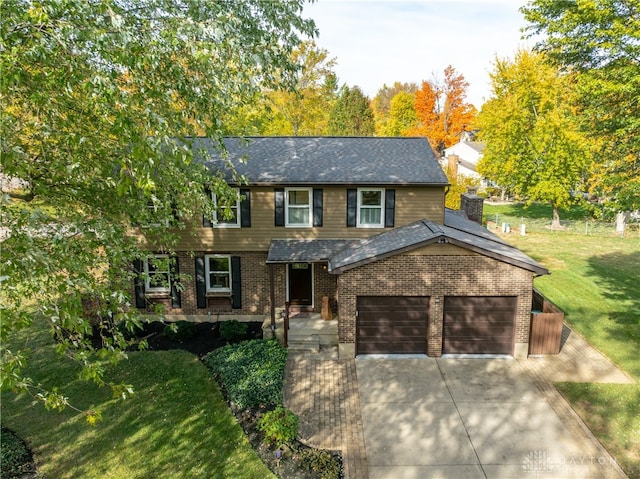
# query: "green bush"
{"type": "Point", "coordinates": [252, 372]}
{"type": "Point", "coordinates": [279, 426]}
{"type": "Point", "coordinates": [233, 330]}
{"type": "Point", "coordinates": [14, 455]}
{"type": "Point", "coordinates": [129, 329]}
{"type": "Point", "coordinates": [322, 462]}
{"type": "Point", "coordinates": [180, 331]}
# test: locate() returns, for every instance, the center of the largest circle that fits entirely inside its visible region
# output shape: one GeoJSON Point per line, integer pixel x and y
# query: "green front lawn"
{"type": "Point", "coordinates": [176, 425]}
{"type": "Point", "coordinates": [596, 281]}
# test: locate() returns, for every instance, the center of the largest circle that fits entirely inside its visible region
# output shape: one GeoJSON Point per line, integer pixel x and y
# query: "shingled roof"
{"type": "Point", "coordinates": [343, 255]}
{"type": "Point", "coordinates": [456, 230]}
{"type": "Point", "coordinates": [325, 160]}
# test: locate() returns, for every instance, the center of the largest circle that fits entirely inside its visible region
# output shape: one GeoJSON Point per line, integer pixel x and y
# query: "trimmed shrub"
{"type": "Point", "coordinates": [15, 457]}
{"type": "Point", "coordinates": [279, 426]}
{"type": "Point", "coordinates": [252, 372]}
{"type": "Point", "coordinates": [322, 462]}
{"type": "Point", "coordinates": [180, 331]}
{"type": "Point", "coordinates": [233, 330]}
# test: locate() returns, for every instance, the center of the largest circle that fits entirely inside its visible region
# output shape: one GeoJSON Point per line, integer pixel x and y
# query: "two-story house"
{"type": "Point", "coordinates": [361, 221]}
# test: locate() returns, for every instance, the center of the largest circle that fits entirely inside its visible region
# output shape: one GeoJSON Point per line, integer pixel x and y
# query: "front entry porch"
{"type": "Point", "coordinates": [307, 331]}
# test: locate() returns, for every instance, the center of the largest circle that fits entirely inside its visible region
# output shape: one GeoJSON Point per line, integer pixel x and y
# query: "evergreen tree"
{"type": "Point", "coordinates": [352, 114]}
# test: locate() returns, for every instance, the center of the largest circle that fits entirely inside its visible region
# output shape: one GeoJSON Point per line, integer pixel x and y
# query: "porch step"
{"type": "Point", "coordinates": [312, 328]}
{"type": "Point", "coordinates": [302, 337]}
{"type": "Point", "coordinates": [306, 346]}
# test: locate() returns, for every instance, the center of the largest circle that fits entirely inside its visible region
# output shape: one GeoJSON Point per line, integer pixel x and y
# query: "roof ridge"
{"type": "Point", "coordinates": [433, 226]}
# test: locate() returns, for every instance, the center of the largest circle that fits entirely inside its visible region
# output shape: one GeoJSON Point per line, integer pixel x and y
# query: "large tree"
{"type": "Point", "coordinates": [599, 43]}
{"type": "Point", "coordinates": [381, 103]}
{"type": "Point", "coordinates": [402, 115]}
{"type": "Point", "coordinates": [97, 98]}
{"type": "Point", "coordinates": [533, 144]}
{"type": "Point", "coordinates": [351, 115]}
{"type": "Point", "coordinates": [305, 109]}
{"type": "Point", "coordinates": [442, 110]}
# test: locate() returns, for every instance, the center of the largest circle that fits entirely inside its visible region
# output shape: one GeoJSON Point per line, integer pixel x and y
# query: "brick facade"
{"type": "Point", "coordinates": [256, 293]}
{"type": "Point", "coordinates": [436, 277]}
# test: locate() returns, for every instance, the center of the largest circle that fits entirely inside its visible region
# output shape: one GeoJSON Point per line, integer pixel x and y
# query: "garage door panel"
{"type": "Point", "coordinates": [479, 325]}
{"type": "Point", "coordinates": [371, 347]}
{"type": "Point", "coordinates": [478, 346]}
{"type": "Point", "coordinates": [400, 331]}
{"type": "Point", "coordinates": [391, 324]}
{"type": "Point", "coordinates": [374, 331]}
{"type": "Point", "coordinates": [476, 302]}
{"type": "Point", "coordinates": [409, 347]}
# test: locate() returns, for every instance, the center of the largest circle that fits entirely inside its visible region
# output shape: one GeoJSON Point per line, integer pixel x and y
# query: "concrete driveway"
{"type": "Point", "coordinates": [468, 418]}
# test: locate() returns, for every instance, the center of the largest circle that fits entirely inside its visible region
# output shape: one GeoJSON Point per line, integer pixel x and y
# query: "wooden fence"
{"type": "Point", "coordinates": [546, 326]}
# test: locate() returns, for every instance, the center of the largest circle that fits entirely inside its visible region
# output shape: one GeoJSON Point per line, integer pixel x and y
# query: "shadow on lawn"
{"type": "Point", "coordinates": [616, 274]}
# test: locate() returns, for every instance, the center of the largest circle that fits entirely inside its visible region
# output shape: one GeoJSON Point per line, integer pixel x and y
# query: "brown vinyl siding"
{"type": "Point", "coordinates": [412, 204]}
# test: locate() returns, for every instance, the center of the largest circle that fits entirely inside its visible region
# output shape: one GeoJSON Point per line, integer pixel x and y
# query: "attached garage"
{"type": "Point", "coordinates": [392, 324]}
{"type": "Point", "coordinates": [479, 324]}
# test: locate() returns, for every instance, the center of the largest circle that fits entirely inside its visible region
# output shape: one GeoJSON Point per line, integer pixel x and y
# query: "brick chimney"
{"type": "Point", "coordinates": [472, 204]}
{"type": "Point", "coordinates": [452, 164]}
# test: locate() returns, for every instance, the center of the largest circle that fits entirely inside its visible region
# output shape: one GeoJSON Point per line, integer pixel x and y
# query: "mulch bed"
{"type": "Point", "coordinates": [206, 338]}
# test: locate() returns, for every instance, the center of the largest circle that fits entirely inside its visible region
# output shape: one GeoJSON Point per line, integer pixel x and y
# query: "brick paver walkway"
{"type": "Point", "coordinates": [324, 394]}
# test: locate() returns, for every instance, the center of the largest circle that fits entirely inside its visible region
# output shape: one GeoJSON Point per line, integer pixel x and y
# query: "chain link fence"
{"type": "Point", "coordinates": [518, 225]}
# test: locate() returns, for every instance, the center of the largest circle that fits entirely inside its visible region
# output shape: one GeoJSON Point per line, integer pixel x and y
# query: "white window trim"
{"type": "Point", "coordinates": [148, 287]}
{"type": "Point", "coordinates": [309, 206]}
{"type": "Point", "coordinates": [152, 208]}
{"type": "Point", "coordinates": [214, 220]}
{"type": "Point", "coordinates": [207, 273]}
{"type": "Point", "coordinates": [382, 205]}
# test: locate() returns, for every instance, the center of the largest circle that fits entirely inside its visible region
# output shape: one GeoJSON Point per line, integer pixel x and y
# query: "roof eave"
{"type": "Point", "coordinates": [539, 270]}
{"type": "Point", "coordinates": [382, 256]}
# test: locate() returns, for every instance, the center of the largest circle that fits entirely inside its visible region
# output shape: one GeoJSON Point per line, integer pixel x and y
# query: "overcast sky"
{"type": "Point", "coordinates": [383, 41]}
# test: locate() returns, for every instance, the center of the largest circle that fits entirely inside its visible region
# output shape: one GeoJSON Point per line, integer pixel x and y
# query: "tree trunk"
{"type": "Point", "coordinates": [556, 219]}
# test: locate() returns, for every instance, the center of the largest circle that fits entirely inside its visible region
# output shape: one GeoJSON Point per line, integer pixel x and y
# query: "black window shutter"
{"type": "Point", "coordinates": [317, 207]}
{"type": "Point", "coordinates": [236, 283]}
{"type": "Point", "coordinates": [174, 211]}
{"type": "Point", "coordinates": [138, 283]}
{"type": "Point", "coordinates": [279, 206]}
{"type": "Point", "coordinates": [352, 206]}
{"type": "Point", "coordinates": [201, 285]}
{"type": "Point", "coordinates": [389, 208]}
{"type": "Point", "coordinates": [174, 271]}
{"type": "Point", "coordinates": [245, 208]}
{"type": "Point", "coordinates": [206, 220]}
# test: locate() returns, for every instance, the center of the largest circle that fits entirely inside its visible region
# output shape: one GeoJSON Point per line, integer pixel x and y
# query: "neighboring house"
{"type": "Point", "coordinates": [361, 221]}
{"type": "Point", "coordinates": [463, 158]}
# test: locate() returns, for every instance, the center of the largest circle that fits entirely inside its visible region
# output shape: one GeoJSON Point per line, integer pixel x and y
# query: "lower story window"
{"type": "Point", "coordinates": [157, 274]}
{"type": "Point", "coordinates": [218, 273]}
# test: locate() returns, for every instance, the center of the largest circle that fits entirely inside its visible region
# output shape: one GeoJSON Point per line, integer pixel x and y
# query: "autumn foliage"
{"type": "Point", "coordinates": [442, 110]}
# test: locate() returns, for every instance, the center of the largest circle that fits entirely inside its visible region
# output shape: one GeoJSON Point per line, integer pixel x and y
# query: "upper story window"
{"type": "Point", "coordinates": [154, 213]}
{"type": "Point", "coordinates": [157, 274]}
{"type": "Point", "coordinates": [223, 208]}
{"type": "Point", "coordinates": [218, 273]}
{"type": "Point", "coordinates": [371, 208]}
{"type": "Point", "coordinates": [298, 210]}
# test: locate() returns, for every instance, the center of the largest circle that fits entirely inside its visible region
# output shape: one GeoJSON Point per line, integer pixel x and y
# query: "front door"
{"type": "Point", "coordinates": [300, 282]}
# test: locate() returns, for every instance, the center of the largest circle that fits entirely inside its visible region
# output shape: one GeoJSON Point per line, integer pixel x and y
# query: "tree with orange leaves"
{"type": "Point", "coordinates": [442, 110]}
